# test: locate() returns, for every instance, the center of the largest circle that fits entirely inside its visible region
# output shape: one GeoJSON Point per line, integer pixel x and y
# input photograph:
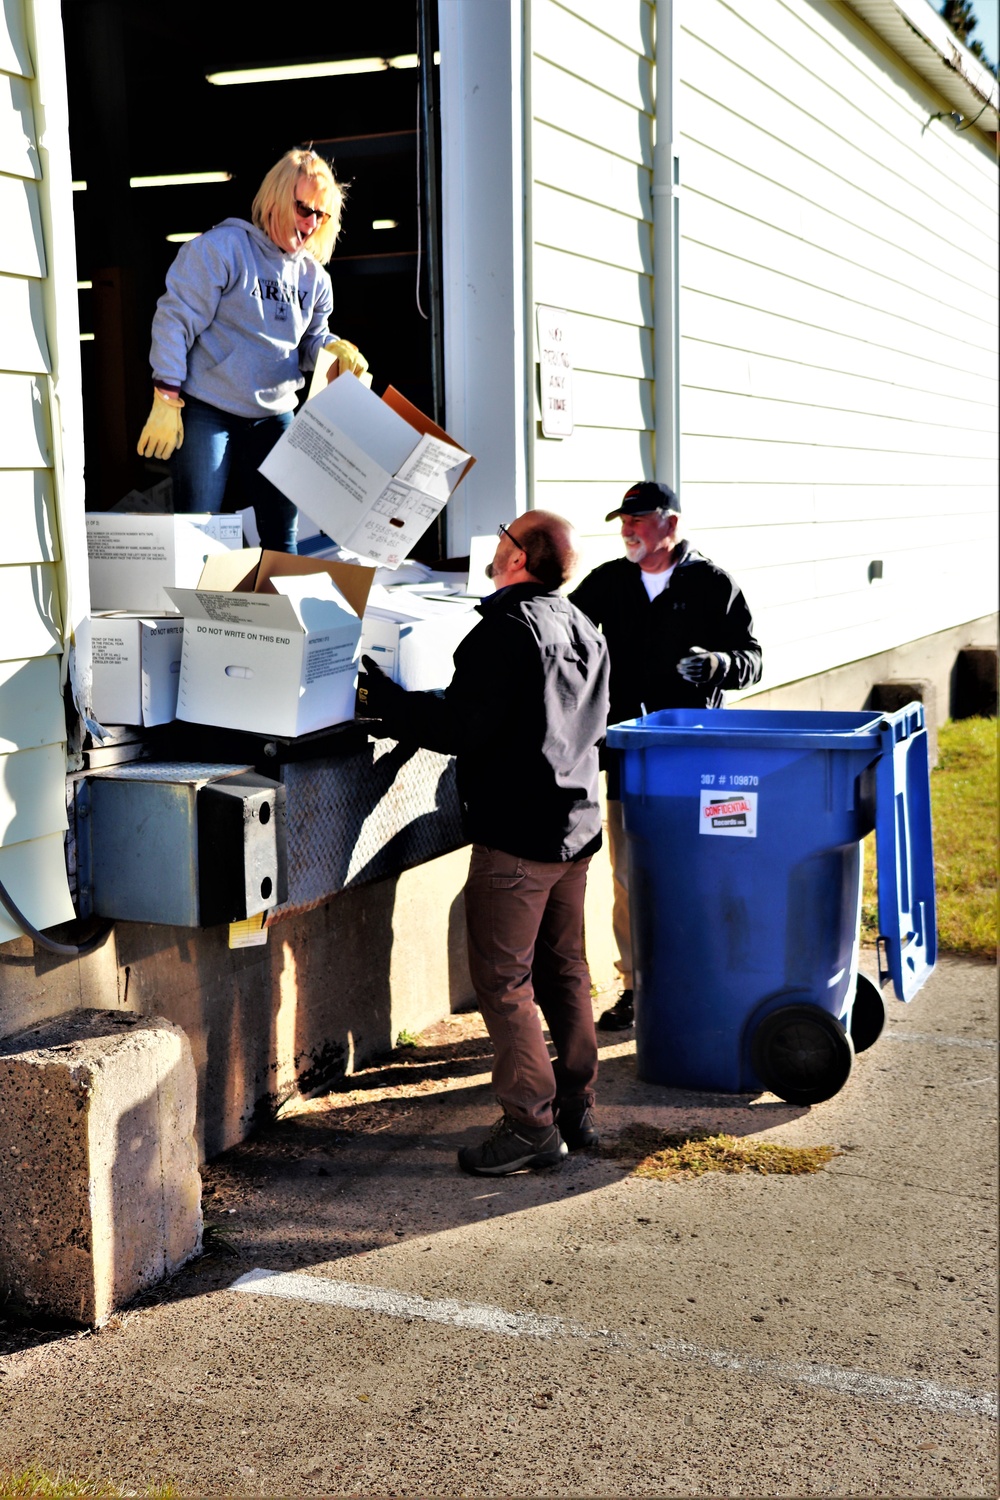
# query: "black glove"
{"type": "Point", "coordinates": [377, 693]}
{"type": "Point", "coordinates": [701, 666]}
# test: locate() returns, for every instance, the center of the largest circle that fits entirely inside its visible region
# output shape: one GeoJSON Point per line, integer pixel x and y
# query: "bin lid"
{"type": "Point", "coordinates": [907, 908]}
{"type": "Point", "coordinates": [745, 728]}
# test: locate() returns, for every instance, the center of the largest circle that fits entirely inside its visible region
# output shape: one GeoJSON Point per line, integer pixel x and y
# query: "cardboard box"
{"type": "Point", "coordinates": [271, 642]}
{"type": "Point", "coordinates": [136, 662]}
{"type": "Point", "coordinates": [372, 472]}
{"type": "Point", "coordinates": [134, 558]}
{"type": "Point", "coordinates": [413, 639]}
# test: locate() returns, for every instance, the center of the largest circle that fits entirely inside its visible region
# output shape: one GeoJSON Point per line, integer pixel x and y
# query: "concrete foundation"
{"type": "Point", "coordinates": [890, 697]}
{"type": "Point", "coordinates": [330, 989]}
{"type": "Point", "coordinates": [932, 658]}
{"type": "Point", "coordinates": [98, 1168]}
{"type": "Point", "coordinates": [975, 684]}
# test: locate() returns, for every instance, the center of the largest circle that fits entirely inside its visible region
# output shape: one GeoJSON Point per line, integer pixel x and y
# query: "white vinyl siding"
{"type": "Point", "coordinates": [32, 582]}
{"type": "Point", "coordinates": [839, 333]}
{"type": "Point", "coordinates": [590, 152]}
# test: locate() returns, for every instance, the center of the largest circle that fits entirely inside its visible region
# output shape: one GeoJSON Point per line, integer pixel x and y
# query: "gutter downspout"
{"type": "Point", "coordinates": [666, 253]}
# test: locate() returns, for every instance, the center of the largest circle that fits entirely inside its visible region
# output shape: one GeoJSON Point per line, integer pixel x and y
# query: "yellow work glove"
{"type": "Point", "coordinates": [164, 430]}
{"type": "Point", "coordinates": [348, 356]}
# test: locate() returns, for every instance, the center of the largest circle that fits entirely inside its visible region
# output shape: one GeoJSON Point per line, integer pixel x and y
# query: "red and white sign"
{"type": "Point", "coordinates": [732, 816]}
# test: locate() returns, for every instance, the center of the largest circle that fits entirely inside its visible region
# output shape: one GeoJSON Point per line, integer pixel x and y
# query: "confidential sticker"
{"type": "Point", "coordinates": [735, 815]}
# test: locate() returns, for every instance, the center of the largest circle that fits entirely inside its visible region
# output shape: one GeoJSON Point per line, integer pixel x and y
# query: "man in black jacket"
{"type": "Point", "coordinates": [523, 714]}
{"type": "Point", "coordinates": [679, 633]}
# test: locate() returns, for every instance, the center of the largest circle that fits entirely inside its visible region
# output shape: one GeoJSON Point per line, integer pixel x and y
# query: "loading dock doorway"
{"type": "Point", "coordinates": [141, 107]}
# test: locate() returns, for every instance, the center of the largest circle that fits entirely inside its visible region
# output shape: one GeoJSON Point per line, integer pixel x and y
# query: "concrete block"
{"type": "Point", "coordinates": [895, 694]}
{"type": "Point", "coordinates": [100, 1195]}
{"type": "Point", "coordinates": [974, 683]}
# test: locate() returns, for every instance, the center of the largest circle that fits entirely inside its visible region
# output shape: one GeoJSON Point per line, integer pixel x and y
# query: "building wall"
{"type": "Point", "coordinates": [837, 317]}
{"type": "Point", "coordinates": [839, 333]}
{"type": "Point", "coordinates": [589, 146]}
{"type": "Point", "coordinates": [39, 351]}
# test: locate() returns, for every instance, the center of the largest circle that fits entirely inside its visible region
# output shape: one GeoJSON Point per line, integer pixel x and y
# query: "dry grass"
{"type": "Point", "coordinates": [664, 1155]}
{"type": "Point", "coordinates": [38, 1481]}
{"type": "Point", "coordinates": [964, 812]}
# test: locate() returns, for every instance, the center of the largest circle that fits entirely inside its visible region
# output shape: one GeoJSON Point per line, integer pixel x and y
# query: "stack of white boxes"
{"type": "Point", "coordinates": [189, 624]}
{"type": "Point", "coordinates": [136, 631]}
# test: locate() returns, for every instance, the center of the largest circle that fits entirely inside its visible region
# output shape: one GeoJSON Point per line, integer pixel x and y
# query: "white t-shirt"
{"type": "Point", "coordinates": [655, 583]}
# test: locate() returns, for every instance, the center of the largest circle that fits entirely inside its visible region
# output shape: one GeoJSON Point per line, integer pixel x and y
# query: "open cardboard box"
{"type": "Point", "coordinates": [372, 472]}
{"type": "Point", "coordinates": [266, 652]}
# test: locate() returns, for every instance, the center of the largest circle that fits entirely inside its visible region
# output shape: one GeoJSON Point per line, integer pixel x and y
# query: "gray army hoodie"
{"type": "Point", "coordinates": [241, 321]}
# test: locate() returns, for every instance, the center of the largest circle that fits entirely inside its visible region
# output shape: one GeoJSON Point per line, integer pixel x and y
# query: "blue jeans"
{"type": "Point", "coordinates": [218, 462]}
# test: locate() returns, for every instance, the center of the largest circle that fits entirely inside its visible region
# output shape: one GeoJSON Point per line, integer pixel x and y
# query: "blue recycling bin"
{"type": "Point", "coordinates": [745, 832]}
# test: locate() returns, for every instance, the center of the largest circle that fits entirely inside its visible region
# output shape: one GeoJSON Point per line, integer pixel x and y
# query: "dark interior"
{"type": "Point", "coordinates": [140, 105]}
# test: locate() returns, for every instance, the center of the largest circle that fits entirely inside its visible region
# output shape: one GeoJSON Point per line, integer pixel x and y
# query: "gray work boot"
{"type": "Point", "coordinates": [577, 1125]}
{"type": "Point", "coordinates": [511, 1147]}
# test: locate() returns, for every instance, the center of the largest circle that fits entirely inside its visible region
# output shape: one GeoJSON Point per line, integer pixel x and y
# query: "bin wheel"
{"type": "Point", "coordinates": [802, 1054]}
{"type": "Point", "coordinates": [867, 1014]}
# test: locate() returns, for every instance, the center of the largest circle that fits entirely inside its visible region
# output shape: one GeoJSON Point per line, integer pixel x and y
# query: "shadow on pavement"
{"type": "Point", "coordinates": [372, 1163]}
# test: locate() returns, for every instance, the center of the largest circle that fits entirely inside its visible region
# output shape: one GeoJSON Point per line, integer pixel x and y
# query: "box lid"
{"type": "Point", "coordinates": [269, 611]}
{"type": "Point", "coordinates": [251, 570]}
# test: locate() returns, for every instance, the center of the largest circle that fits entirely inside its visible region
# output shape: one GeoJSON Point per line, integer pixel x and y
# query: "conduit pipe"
{"type": "Point", "coordinates": [666, 251]}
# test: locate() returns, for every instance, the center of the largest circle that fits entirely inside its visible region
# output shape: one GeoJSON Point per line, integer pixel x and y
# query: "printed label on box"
{"type": "Point", "coordinates": [734, 816]}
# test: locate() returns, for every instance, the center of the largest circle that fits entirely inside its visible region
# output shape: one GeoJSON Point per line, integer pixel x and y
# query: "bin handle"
{"type": "Point", "coordinates": [882, 958]}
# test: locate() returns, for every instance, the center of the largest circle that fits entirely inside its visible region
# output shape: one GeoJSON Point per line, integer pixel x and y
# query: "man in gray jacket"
{"type": "Point", "coordinates": [523, 714]}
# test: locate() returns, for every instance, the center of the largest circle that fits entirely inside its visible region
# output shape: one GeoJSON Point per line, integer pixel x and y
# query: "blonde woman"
{"type": "Point", "coordinates": [245, 312]}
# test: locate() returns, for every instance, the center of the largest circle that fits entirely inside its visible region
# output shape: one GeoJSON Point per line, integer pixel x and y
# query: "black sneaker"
{"type": "Point", "coordinates": [510, 1147]}
{"type": "Point", "coordinates": [577, 1125]}
{"type": "Point", "coordinates": [621, 1015]}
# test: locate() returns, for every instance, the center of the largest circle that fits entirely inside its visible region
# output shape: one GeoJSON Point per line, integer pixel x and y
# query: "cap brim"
{"type": "Point", "coordinates": [633, 513]}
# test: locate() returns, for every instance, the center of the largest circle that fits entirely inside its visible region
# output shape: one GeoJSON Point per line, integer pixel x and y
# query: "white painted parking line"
{"type": "Point", "coordinates": [360, 1297]}
{"type": "Point", "coordinates": [941, 1041]}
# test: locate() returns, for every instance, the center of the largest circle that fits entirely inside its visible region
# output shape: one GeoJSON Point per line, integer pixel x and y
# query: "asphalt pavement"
{"type": "Point", "coordinates": [370, 1321]}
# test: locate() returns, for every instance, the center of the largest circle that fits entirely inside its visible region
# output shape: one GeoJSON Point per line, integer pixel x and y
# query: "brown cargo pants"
{"type": "Point", "coordinates": [525, 928]}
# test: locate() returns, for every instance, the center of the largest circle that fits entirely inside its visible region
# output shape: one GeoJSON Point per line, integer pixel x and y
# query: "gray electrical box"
{"type": "Point", "coordinates": [188, 845]}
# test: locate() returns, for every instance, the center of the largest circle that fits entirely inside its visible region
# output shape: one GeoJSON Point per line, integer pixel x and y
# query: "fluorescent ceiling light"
{"type": "Point", "coordinates": [86, 338]}
{"type": "Point", "coordinates": [84, 286]}
{"type": "Point", "coordinates": [168, 179]}
{"type": "Point", "coordinates": [179, 179]}
{"type": "Point", "coordinates": [334, 68]}
{"type": "Point", "coordinates": [182, 239]}
{"type": "Point", "coordinates": [385, 223]}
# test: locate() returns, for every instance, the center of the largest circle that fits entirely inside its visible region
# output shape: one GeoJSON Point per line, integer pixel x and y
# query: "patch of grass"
{"type": "Point", "coordinates": [38, 1481]}
{"type": "Point", "coordinates": [964, 815]}
{"type": "Point", "coordinates": [664, 1154]}
{"type": "Point", "coordinates": [215, 1241]}
{"type": "Point", "coordinates": [407, 1039]}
